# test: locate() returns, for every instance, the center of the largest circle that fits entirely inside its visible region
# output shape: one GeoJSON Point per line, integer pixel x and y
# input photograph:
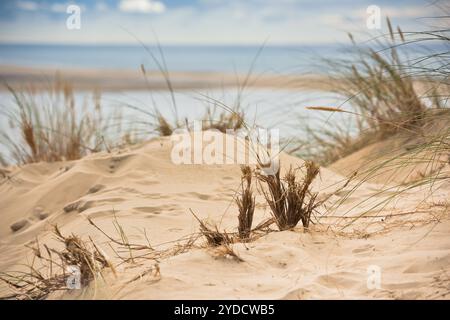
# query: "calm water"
{"type": "Point", "coordinates": [273, 109]}
{"type": "Point", "coordinates": [278, 59]}
{"type": "Point", "coordinates": [281, 109]}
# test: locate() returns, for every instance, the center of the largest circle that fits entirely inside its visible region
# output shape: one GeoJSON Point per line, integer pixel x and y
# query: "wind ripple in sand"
{"type": "Point", "coordinates": [147, 192]}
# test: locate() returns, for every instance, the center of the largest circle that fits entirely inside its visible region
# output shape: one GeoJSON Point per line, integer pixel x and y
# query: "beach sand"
{"type": "Point", "coordinates": [405, 242]}
{"type": "Point", "coordinates": [113, 80]}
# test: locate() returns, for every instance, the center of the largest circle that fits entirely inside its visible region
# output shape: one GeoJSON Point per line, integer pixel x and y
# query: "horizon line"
{"type": "Point", "coordinates": [174, 44]}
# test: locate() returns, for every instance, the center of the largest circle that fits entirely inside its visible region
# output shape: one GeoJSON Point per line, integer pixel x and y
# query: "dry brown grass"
{"type": "Point", "coordinates": [213, 236]}
{"type": "Point", "coordinates": [212, 120]}
{"type": "Point", "coordinates": [163, 126]}
{"type": "Point", "coordinates": [381, 88]}
{"type": "Point", "coordinates": [388, 92]}
{"type": "Point", "coordinates": [48, 271]}
{"type": "Point", "coordinates": [134, 253]}
{"type": "Point", "coordinates": [220, 243]}
{"type": "Point", "coordinates": [246, 204]}
{"type": "Point", "coordinates": [52, 127]}
{"type": "Point", "coordinates": [228, 119]}
{"type": "Point", "coordinates": [144, 250]}
{"type": "Point", "coordinates": [291, 201]}
{"type": "Point", "coordinates": [226, 251]}
{"type": "Point", "coordinates": [218, 116]}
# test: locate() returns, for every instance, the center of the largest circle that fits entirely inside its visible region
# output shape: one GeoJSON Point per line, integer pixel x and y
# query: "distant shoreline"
{"type": "Point", "coordinates": [19, 77]}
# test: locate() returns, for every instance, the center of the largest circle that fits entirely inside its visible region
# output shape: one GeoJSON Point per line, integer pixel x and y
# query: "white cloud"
{"type": "Point", "coordinates": [58, 7]}
{"type": "Point", "coordinates": [409, 12]}
{"type": "Point", "coordinates": [62, 7]}
{"type": "Point", "coordinates": [27, 5]}
{"type": "Point", "coordinates": [221, 22]}
{"type": "Point", "coordinates": [144, 6]}
{"type": "Point", "coordinates": [45, 7]}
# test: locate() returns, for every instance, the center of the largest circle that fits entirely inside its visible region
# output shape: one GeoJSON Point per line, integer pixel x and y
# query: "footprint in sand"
{"type": "Point", "coordinates": [116, 161]}
{"type": "Point", "coordinates": [62, 170]}
{"type": "Point", "coordinates": [83, 205]}
{"type": "Point", "coordinates": [97, 203]}
{"type": "Point", "coordinates": [95, 188]}
{"type": "Point", "coordinates": [364, 250]}
{"type": "Point", "coordinates": [227, 178]}
{"type": "Point", "coordinates": [72, 206]}
{"type": "Point", "coordinates": [40, 213]}
{"type": "Point", "coordinates": [297, 294]}
{"type": "Point", "coordinates": [157, 209]}
{"type": "Point", "coordinates": [201, 196]}
{"type": "Point", "coordinates": [155, 196]}
{"type": "Point", "coordinates": [341, 280]}
{"type": "Point", "coordinates": [18, 225]}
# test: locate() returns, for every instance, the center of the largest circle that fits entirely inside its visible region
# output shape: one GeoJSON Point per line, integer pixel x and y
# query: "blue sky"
{"type": "Point", "coordinates": [203, 21]}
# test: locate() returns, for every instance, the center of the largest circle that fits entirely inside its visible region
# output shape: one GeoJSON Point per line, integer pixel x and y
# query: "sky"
{"type": "Point", "coordinates": [205, 22]}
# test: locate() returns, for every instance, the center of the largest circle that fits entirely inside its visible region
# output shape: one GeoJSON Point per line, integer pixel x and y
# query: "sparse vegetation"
{"type": "Point", "coordinates": [388, 93]}
{"type": "Point", "coordinates": [246, 204]}
{"type": "Point", "coordinates": [387, 101]}
{"type": "Point", "coordinates": [401, 101]}
{"type": "Point", "coordinates": [381, 91]}
{"type": "Point", "coordinates": [226, 119]}
{"type": "Point", "coordinates": [213, 236]}
{"type": "Point", "coordinates": [52, 127]}
{"type": "Point", "coordinates": [49, 269]}
{"type": "Point", "coordinates": [223, 120]}
{"type": "Point", "coordinates": [291, 201]}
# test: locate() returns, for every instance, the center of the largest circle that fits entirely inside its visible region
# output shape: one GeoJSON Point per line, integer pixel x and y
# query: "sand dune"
{"type": "Point", "coordinates": [406, 239]}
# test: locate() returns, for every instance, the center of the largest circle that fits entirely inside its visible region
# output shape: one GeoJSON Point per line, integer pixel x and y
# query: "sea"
{"type": "Point", "coordinates": [220, 58]}
{"type": "Point", "coordinates": [281, 109]}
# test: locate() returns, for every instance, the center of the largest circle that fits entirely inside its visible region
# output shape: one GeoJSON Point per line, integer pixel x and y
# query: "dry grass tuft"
{"type": "Point", "coordinates": [227, 119]}
{"type": "Point", "coordinates": [246, 204]}
{"type": "Point", "coordinates": [124, 245]}
{"type": "Point", "coordinates": [388, 92]}
{"type": "Point", "coordinates": [135, 253]}
{"type": "Point", "coordinates": [52, 272]}
{"type": "Point", "coordinates": [287, 198]}
{"type": "Point", "coordinates": [226, 251]}
{"type": "Point", "coordinates": [51, 127]}
{"type": "Point", "coordinates": [213, 236]}
{"type": "Point", "coordinates": [90, 260]}
{"type": "Point", "coordinates": [223, 121]}
{"type": "Point", "coordinates": [163, 126]}
{"type": "Point", "coordinates": [151, 275]}
{"type": "Point", "coordinates": [382, 90]}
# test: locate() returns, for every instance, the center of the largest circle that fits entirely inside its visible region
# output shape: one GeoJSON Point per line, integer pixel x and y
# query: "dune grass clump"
{"type": "Point", "coordinates": [163, 126]}
{"type": "Point", "coordinates": [381, 87]}
{"type": "Point", "coordinates": [388, 92]}
{"type": "Point", "coordinates": [51, 127]}
{"type": "Point", "coordinates": [228, 118]}
{"type": "Point", "coordinates": [246, 204]}
{"type": "Point", "coordinates": [86, 256]}
{"type": "Point", "coordinates": [220, 242]}
{"type": "Point", "coordinates": [51, 269]}
{"type": "Point", "coordinates": [403, 100]}
{"type": "Point", "coordinates": [291, 201]}
{"type": "Point", "coordinates": [213, 236]}
{"type": "Point", "coordinates": [212, 120]}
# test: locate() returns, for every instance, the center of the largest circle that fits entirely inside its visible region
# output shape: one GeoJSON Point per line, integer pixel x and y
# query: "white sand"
{"type": "Point", "coordinates": [147, 191]}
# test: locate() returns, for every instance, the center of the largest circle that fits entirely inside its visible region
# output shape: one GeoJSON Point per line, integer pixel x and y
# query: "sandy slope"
{"type": "Point", "coordinates": [406, 238]}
